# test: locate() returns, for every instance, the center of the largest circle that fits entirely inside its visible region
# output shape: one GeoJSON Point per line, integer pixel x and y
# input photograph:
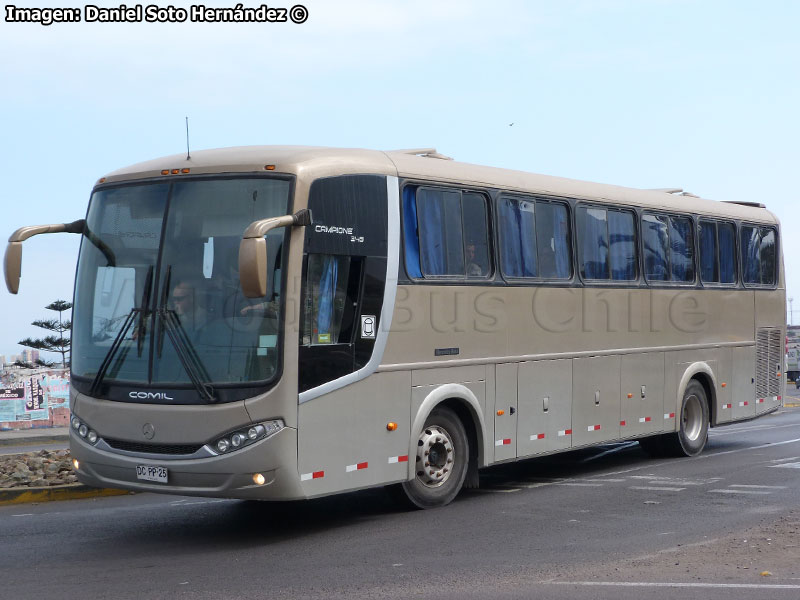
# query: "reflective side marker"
{"type": "Point", "coordinates": [760, 401]}
{"type": "Point", "coordinates": [398, 459]}
{"type": "Point", "coordinates": [537, 436]}
{"type": "Point", "coordinates": [622, 423]}
{"type": "Point", "coordinates": [565, 432]}
{"type": "Point", "coordinates": [745, 403]}
{"type": "Point", "coordinates": [724, 406]}
{"type": "Point", "coordinates": [314, 475]}
{"type": "Point", "coordinates": [356, 467]}
{"type": "Point", "coordinates": [669, 415]}
{"type": "Point", "coordinates": [644, 419]}
{"type": "Point", "coordinates": [593, 428]}
{"type": "Point", "coordinates": [503, 442]}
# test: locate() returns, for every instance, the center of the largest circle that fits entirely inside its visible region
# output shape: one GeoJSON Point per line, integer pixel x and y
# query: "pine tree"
{"type": "Point", "coordinates": [53, 343]}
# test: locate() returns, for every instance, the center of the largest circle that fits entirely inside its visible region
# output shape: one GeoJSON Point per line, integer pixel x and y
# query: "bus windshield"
{"type": "Point", "coordinates": [158, 301]}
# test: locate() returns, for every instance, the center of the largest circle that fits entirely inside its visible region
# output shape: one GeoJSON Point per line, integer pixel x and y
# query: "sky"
{"type": "Point", "coordinates": [701, 95]}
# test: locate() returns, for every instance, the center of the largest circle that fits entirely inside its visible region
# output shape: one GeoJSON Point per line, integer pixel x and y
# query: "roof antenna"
{"type": "Point", "coordinates": [188, 156]}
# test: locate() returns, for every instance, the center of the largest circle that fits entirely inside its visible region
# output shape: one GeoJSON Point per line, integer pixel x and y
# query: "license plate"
{"type": "Point", "coordinates": [151, 473]}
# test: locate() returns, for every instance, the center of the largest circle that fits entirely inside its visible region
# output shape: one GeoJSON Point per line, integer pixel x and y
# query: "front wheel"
{"type": "Point", "coordinates": [440, 463]}
{"type": "Point", "coordinates": [692, 436]}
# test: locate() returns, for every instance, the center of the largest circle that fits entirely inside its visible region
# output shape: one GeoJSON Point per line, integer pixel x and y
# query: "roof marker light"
{"type": "Point", "coordinates": [184, 170]}
{"type": "Point", "coordinates": [165, 172]}
{"type": "Point", "coordinates": [269, 167]}
{"type": "Point", "coordinates": [175, 171]}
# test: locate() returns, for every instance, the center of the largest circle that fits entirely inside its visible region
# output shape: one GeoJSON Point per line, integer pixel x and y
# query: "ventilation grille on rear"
{"type": "Point", "coordinates": [768, 363]}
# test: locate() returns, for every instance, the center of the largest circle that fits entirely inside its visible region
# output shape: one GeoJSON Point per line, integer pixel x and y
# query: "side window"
{"type": "Point", "coordinates": [607, 240]}
{"type": "Point", "coordinates": [717, 252]}
{"type": "Point", "coordinates": [668, 248]}
{"type": "Point", "coordinates": [446, 233]}
{"type": "Point", "coordinates": [534, 238]}
{"type": "Point", "coordinates": [327, 308]}
{"type": "Point", "coordinates": [759, 255]}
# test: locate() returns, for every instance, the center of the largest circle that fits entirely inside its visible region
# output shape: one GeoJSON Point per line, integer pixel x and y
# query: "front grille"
{"type": "Point", "coordinates": [153, 448]}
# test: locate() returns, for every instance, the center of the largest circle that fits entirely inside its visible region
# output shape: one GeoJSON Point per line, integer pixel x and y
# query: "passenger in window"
{"type": "Point", "coordinates": [184, 302]}
{"type": "Point", "coordinates": [474, 266]}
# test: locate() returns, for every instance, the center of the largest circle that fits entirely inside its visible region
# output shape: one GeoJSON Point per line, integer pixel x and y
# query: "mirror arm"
{"type": "Point", "coordinates": [253, 251]}
{"type": "Point", "coordinates": [12, 264]}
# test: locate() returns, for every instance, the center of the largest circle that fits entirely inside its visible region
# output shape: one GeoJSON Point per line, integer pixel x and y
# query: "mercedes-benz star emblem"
{"type": "Point", "coordinates": [149, 431]}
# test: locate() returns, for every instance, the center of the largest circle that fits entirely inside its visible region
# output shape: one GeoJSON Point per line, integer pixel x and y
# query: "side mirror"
{"type": "Point", "coordinates": [253, 251]}
{"type": "Point", "coordinates": [12, 262]}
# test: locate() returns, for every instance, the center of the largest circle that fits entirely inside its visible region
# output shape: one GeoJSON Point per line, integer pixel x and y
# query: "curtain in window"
{"type": "Point", "coordinates": [432, 237]}
{"type": "Point", "coordinates": [681, 245]}
{"type": "Point", "coordinates": [767, 255]}
{"type": "Point", "coordinates": [708, 252]}
{"type": "Point", "coordinates": [518, 238]}
{"type": "Point", "coordinates": [727, 253]}
{"type": "Point", "coordinates": [327, 296]}
{"type": "Point", "coordinates": [411, 232]}
{"type": "Point", "coordinates": [621, 239]}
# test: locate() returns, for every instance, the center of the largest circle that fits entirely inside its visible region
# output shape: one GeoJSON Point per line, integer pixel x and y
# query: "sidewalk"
{"type": "Point", "coordinates": [22, 437]}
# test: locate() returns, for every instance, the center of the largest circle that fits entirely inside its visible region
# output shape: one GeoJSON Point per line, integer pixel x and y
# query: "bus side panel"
{"type": "Point", "coordinates": [723, 409]}
{"type": "Point", "coordinates": [596, 401]}
{"type": "Point", "coordinates": [545, 406]}
{"type": "Point", "coordinates": [744, 391]}
{"type": "Point", "coordinates": [642, 394]}
{"type": "Point", "coordinates": [343, 441]}
{"type": "Point", "coordinates": [505, 417]}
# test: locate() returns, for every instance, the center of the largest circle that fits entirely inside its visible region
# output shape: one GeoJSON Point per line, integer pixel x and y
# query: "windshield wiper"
{"type": "Point", "coordinates": [187, 354]}
{"type": "Point", "coordinates": [126, 325]}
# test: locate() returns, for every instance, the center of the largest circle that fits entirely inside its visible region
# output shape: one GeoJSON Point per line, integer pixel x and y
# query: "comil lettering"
{"type": "Point", "coordinates": [149, 396]}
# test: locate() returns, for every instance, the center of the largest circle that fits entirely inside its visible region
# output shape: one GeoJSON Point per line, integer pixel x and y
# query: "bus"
{"type": "Point", "coordinates": [287, 322]}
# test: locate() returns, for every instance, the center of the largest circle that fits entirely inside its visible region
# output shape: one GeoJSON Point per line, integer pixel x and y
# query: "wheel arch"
{"type": "Point", "coordinates": [467, 408]}
{"type": "Point", "coordinates": [703, 373]}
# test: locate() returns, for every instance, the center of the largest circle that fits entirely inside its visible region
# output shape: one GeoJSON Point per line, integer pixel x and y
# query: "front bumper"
{"type": "Point", "coordinates": [225, 476]}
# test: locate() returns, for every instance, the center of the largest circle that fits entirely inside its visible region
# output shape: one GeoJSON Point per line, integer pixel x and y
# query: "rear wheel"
{"type": "Point", "coordinates": [441, 461]}
{"type": "Point", "coordinates": [691, 438]}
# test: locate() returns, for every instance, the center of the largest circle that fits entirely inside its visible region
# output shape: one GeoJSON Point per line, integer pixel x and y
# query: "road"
{"type": "Point", "coordinates": [606, 522]}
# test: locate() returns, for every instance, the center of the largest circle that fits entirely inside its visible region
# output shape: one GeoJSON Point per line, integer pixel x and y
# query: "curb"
{"type": "Point", "coordinates": [791, 404]}
{"type": "Point", "coordinates": [72, 491]}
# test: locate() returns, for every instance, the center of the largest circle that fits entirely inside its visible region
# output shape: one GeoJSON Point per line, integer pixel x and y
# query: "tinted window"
{"type": "Point", "coordinates": [446, 233]}
{"type": "Point", "coordinates": [759, 259]}
{"type": "Point", "coordinates": [593, 240]}
{"type": "Point", "coordinates": [517, 237]}
{"type": "Point", "coordinates": [534, 238]}
{"type": "Point", "coordinates": [622, 245]}
{"type": "Point", "coordinates": [476, 235]}
{"type": "Point", "coordinates": [608, 244]}
{"type": "Point", "coordinates": [656, 245]}
{"type": "Point", "coordinates": [717, 252]}
{"type": "Point", "coordinates": [727, 252]}
{"type": "Point", "coordinates": [552, 240]}
{"type": "Point", "coordinates": [709, 269]}
{"type": "Point", "coordinates": [681, 241]}
{"type": "Point", "coordinates": [668, 248]}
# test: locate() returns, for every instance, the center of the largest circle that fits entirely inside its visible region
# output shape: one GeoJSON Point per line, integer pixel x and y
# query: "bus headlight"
{"type": "Point", "coordinates": [84, 431]}
{"type": "Point", "coordinates": [246, 436]}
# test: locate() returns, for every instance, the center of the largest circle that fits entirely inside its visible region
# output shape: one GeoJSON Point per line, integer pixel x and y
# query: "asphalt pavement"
{"type": "Point", "coordinates": [604, 522]}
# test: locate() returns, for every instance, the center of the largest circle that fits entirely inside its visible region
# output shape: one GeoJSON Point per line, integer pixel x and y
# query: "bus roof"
{"type": "Point", "coordinates": [426, 165]}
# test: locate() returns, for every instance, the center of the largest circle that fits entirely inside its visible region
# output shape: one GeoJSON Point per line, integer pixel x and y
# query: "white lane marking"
{"type": "Point", "coordinates": [495, 491]}
{"type": "Point", "coordinates": [23, 515]}
{"type": "Point", "coordinates": [780, 460]}
{"type": "Point", "coordinates": [608, 480]}
{"type": "Point", "coordinates": [748, 449]}
{"type": "Point", "coordinates": [795, 465]}
{"type": "Point", "coordinates": [748, 586]}
{"type": "Point", "coordinates": [656, 489]}
{"type": "Point", "coordinates": [757, 492]}
{"type": "Point", "coordinates": [755, 487]}
{"type": "Point", "coordinates": [576, 484]}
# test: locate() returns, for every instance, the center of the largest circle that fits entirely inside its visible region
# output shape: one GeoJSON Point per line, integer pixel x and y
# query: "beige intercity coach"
{"type": "Point", "coordinates": [291, 322]}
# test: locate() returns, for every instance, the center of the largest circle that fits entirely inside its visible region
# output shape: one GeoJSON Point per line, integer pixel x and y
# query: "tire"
{"type": "Point", "coordinates": [692, 436]}
{"type": "Point", "coordinates": [441, 461]}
